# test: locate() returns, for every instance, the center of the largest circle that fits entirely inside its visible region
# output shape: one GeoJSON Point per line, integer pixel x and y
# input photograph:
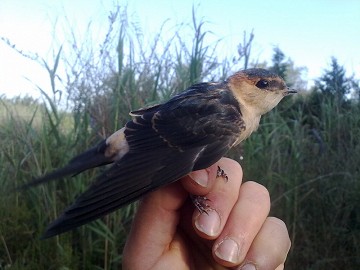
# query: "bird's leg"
{"type": "Point", "coordinates": [200, 203]}
{"type": "Point", "coordinates": [221, 173]}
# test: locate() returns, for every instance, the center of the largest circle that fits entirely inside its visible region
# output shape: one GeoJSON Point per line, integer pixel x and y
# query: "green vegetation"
{"type": "Point", "coordinates": [306, 151]}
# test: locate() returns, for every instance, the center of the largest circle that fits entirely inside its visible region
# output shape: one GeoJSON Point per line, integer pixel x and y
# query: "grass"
{"type": "Point", "coordinates": [306, 152]}
{"type": "Point", "coordinates": [310, 167]}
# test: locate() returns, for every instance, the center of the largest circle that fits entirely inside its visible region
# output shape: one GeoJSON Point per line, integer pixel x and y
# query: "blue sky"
{"type": "Point", "coordinates": [308, 31]}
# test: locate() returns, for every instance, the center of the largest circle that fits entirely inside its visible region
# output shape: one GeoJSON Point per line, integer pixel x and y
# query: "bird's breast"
{"type": "Point", "coordinates": [251, 123]}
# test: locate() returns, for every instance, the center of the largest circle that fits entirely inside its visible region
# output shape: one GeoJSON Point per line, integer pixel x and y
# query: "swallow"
{"type": "Point", "coordinates": [165, 142]}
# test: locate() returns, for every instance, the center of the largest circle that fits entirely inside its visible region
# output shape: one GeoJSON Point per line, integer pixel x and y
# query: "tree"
{"type": "Point", "coordinates": [279, 65]}
{"type": "Point", "coordinates": [286, 68]}
{"type": "Point", "coordinates": [334, 83]}
{"type": "Point", "coordinates": [355, 85]}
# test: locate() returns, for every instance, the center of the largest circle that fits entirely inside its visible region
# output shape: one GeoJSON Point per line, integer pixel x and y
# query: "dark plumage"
{"type": "Point", "coordinates": [163, 143]}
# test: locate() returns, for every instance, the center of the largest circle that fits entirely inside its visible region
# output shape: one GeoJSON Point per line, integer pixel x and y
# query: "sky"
{"type": "Point", "coordinates": [310, 32]}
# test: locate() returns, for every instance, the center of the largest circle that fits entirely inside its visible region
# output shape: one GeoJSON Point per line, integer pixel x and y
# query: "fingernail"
{"type": "Point", "coordinates": [248, 266]}
{"type": "Point", "coordinates": [228, 250]}
{"type": "Point", "coordinates": [201, 177]}
{"type": "Point", "coordinates": [208, 223]}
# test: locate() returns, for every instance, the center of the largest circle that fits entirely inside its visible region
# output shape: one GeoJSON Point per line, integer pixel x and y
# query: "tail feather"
{"type": "Point", "coordinates": [94, 157]}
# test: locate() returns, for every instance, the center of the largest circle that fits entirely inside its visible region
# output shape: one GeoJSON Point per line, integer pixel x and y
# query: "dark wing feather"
{"type": "Point", "coordinates": [93, 157]}
{"type": "Point", "coordinates": [190, 132]}
{"type": "Point", "coordinates": [207, 117]}
{"type": "Point", "coordinates": [124, 183]}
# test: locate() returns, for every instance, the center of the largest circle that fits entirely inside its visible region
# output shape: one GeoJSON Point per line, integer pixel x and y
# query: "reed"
{"type": "Point", "coordinates": [306, 152]}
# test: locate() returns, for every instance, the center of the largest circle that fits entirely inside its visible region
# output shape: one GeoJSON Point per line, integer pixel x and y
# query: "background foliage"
{"type": "Point", "coordinates": [306, 152]}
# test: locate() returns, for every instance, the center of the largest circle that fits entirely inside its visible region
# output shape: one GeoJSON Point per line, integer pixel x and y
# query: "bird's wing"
{"type": "Point", "coordinates": [189, 132]}
{"type": "Point", "coordinates": [208, 117]}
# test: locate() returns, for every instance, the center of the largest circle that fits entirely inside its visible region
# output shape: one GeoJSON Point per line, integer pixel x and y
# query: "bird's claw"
{"type": "Point", "coordinates": [200, 203]}
{"type": "Point", "coordinates": [221, 173]}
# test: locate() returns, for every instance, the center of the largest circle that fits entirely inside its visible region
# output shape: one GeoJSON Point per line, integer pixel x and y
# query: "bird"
{"type": "Point", "coordinates": [165, 142]}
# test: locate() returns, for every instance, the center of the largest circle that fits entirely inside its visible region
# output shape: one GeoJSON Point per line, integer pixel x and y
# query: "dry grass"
{"type": "Point", "coordinates": [308, 158]}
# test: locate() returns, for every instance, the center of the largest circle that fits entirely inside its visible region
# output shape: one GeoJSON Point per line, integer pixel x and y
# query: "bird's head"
{"type": "Point", "coordinates": [259, 90]}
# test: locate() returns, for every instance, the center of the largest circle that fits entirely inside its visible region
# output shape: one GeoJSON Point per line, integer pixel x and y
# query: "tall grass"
{"type": "Point", "coordinates": [307, 157]}
{"type": "Point", "coordinates": [310, 165]}
{"type": "Point", "coordinates": [101, 92]}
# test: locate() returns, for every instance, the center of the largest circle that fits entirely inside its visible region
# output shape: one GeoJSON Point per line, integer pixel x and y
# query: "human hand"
{"type": "Point", "coordinates": [167, 233]}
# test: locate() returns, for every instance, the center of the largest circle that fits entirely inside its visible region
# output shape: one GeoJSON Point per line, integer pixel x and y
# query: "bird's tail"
{"type": "Point", "coordinates": [91, 158]}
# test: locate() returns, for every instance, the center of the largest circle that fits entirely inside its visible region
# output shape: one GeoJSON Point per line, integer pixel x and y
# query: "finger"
{"type": "Point", "coordinates": [154, 227]}
{"type": "Point", "coordinates": [270, 247]}
{"type": "Point", "coordinates": [200, 182]}
{"type": "Point", "coordinates": [221, 199]}
{"type": "Point", "coordinates": [245, 221]}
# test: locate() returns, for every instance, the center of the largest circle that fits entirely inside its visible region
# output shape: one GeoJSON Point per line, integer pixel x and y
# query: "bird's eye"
{"type": "Point", "coordinates": [262, 84]}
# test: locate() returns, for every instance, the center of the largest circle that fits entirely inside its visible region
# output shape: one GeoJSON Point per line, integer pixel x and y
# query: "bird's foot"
{"type": "Point", "coordinates": [200, 203]}
{"type": "Point", "coordinates": [221, 173]}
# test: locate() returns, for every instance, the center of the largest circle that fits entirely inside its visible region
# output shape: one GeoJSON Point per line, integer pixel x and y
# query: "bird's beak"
{"type": "Point", "coordinates": [290, 91]}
